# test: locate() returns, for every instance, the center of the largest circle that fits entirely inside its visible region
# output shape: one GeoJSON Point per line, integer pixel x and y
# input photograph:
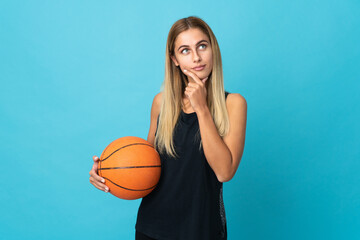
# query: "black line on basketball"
{"type": "Point", "coordinates": [125, 147]}
{"type": "Point", "coordinates": [129, 188]}
{"type": "Point", "coordinates": [130, 167]}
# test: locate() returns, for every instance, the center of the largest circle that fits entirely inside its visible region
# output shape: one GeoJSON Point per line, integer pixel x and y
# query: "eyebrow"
{"type": "Point", "coordinates": [196, 44]}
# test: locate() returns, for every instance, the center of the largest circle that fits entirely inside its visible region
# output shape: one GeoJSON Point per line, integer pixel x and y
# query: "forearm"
{"type": "Point", "coordinates": [216, 152]}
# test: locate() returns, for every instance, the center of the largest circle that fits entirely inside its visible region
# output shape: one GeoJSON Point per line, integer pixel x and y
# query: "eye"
{"type": "Point", "coordinates": [203, 45]}
{"type": "Point", "coordinates": [183, 50]}
{"type": "Point", "coordinates": [199, 46]}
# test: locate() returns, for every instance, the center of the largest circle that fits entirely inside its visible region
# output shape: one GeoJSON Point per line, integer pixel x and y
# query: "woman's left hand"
{"type": "Point", "coordinates": [196, 92]}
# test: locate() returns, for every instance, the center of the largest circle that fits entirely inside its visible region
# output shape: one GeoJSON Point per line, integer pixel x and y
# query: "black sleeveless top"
{"type": "Point", "coordinates": [187, 203]}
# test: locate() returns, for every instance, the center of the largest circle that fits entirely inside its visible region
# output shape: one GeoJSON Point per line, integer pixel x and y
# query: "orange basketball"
{"type": "Point", "coordinates": [131, 167]}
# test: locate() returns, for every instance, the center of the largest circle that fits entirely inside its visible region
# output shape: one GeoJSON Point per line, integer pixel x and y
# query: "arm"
{"type": "Point", "coordinates": [224, 154]}
{"type": "Point", "coordinates": [155, 110]}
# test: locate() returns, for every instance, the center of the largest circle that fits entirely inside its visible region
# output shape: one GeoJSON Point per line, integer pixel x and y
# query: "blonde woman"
{"type": "Point", "coordinates": [198, 129]}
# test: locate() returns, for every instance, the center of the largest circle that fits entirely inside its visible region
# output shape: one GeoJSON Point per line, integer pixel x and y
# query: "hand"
{"type": "Point", "coordinates": [196, 92]}
{"type": "Point", "coordinates": [95, 179]}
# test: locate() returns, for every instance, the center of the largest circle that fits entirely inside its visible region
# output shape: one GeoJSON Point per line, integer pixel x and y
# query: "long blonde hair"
{"type": "Point", "coordinates": [173, 88]}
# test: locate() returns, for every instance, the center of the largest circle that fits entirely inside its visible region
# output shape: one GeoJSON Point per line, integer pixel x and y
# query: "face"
{"type": "Point", "coordinates": [192, 49]}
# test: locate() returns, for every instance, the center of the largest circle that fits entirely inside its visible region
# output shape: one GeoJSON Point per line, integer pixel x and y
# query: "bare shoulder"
{"type": "Point", "coordinates": [235, 100]}
{"type": "Point", "coordinates": [158, 97]}
{"type": "Point", "coordinates": [157, 102]}
{"type": "Point", "coordinates": [155, 111]}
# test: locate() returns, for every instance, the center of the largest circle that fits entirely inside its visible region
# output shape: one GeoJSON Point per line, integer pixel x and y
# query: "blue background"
{"type": "Point", "coordinates": [76, 75]}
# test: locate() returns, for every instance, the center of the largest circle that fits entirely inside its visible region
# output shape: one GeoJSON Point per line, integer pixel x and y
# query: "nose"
{"type": "Point", "coordinates": [196, 56]}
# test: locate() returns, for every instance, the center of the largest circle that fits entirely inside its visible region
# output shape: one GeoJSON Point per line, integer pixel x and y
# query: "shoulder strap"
{"type": "Point", "coordinates": [226, 94]}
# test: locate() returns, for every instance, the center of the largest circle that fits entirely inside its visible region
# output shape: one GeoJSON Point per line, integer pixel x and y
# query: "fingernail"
{"type": "Point", "coordinates": [106, 189]}
{"type": "Point", "coordinates": [185, 70]}
{"type": "Point", "coordinates": [103, 180]}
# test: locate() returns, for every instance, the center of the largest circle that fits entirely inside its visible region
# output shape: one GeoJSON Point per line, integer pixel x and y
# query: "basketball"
{"type": "Point", "coordinates": [131, 167]}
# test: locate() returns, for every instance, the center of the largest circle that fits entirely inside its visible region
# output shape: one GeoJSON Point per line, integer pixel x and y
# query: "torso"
{"type": "Point", "coordinates": [187, 202]}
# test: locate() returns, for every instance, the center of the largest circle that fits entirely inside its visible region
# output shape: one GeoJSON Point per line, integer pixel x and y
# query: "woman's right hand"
{"type": "Point", "coordinates": [95, 179]}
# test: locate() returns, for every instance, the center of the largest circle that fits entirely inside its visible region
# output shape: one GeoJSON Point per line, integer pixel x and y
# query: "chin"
{"type": "Point", "coordinates": [207, 75]}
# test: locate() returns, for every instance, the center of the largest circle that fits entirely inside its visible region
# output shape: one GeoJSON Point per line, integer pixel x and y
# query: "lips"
{"type": "Point", "coordinates": [199, 68]}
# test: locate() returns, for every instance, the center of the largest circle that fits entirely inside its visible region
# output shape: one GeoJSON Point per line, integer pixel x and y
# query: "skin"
{"type": "Point", "coordinates": [187, 57]}
{"type": "Point", "coordinates": [193, 54]}
{"type": "Point", "coordinates": [223, 155]}
{"type": "Point", "coordinates": [95, 179]}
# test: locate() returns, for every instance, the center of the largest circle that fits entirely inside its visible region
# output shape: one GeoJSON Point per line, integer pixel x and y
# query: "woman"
{"type": "Point", "coordinates": [199, 131]}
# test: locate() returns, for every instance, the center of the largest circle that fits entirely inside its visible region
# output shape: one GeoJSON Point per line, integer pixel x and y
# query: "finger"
{"type": "Point", "coordinates": [193, 76]}
{"type": "Point", "coordinates": [95, 167]}
{"type": "Point", "coordinates": [99, 185]}
{"type": "Point", "coordinates": [190, 84]}
{"type": "Point", "coordinates": [96, 176]}
{"type": "Point", "coordinates": [96, 182]}
{"type": "Point", "coordinates": [96, 163]}
{"type": "Point", "coordinates": [96, 158]}
{"type": "Point", "coordinates": [188, 91]}
{"type": "Point", "coordinates": [191, 88]}
{"type": "Point", "coordinates": [189, 72]}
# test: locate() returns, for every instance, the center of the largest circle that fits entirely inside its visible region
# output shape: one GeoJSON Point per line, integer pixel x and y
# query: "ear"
{"type": "Point", "coordinates": [174, 60]}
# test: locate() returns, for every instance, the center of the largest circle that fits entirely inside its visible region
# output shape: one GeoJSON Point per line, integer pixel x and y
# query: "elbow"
{"type": "Point", "coordinates": [228, 175]}
{"type": "Point", "coordinates": [227, 172]}
{"type": "Point", "coordinates": [225, 178]}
